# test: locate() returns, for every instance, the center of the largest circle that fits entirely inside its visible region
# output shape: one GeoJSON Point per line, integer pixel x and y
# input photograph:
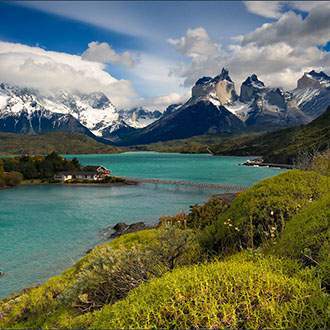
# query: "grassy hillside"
{"type": "Point", "coordinates": [199, 144]}
{"type": "Point", "coordinates": [243, 266]}
{"type": "Point", "coordinates": [63, 143]}
{"type": "Point", "coordinates": [282, 146]}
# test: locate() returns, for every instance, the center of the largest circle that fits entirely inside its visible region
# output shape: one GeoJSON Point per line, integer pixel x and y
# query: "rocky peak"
{"type": "Point", "coordinates": [276, 97]}
{"type": "Point", "coordinates": [251, 88]}
{"type": "Point", "coordinates": [314, 79]}
{"type": "Point", "coordinates": [220, 88]}
{"type": "Point", "coordinates": [224, 75]}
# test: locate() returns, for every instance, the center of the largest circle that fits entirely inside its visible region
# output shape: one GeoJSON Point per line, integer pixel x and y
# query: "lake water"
{"type": "Point", "coordinates": [44, 229]}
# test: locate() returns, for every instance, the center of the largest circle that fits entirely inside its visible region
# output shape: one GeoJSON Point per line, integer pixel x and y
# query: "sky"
{"type": "Point", "coordinates": [150, 53]}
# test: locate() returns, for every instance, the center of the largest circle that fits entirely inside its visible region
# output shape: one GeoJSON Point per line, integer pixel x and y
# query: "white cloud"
{"type": "Point", "coordinates": [270, 9]}
{"type": "Point", "coordinates": [274, 9]}
{"type": "Point", "coordinates": [49, 71]}
{"type": "Point", "coordinates": [203, 52]}
{"type": "Point", "coordinates": [292, 29]}
{"type": "Point", "coordinates": [102, 52]}
{"type": "Point", "coordinates": [162, 102]}
{"type": "Point", "coordinates": [195, 44]}
{"type": "Point", "coordinates": [279, 53]}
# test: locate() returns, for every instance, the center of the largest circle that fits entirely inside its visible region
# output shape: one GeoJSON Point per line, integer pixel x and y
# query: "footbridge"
{"type": "Point", "coordinates": [218, 186]}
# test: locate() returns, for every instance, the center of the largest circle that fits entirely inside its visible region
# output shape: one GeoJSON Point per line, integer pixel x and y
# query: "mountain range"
{"type": "Point", "coordinates": [214, 107]}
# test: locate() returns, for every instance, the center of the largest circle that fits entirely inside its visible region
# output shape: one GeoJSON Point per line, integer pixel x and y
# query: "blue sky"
{"type": "Point", "coordinates": [161, 47]}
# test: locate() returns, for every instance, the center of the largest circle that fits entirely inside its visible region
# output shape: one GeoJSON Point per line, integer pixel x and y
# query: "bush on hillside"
{"type": "Point", "coordinates": [321, 163]}
{"type": "Point", "coordinates": [232, 294]}
{"type": "Point", "coordinates": [199, 216]}
{"type": "Point", "coordinates": [178, 220]}
{"type": "Point", "coordinates": [259, 214]}
{"type": "Point", "coordinates": [307, 238]}
{"type": "Point", "coordinates": [111, 274]}
{"type": "Point", "coordinates": [203, 215]}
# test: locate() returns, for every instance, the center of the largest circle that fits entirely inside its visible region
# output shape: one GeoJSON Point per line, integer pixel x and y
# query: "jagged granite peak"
{"type": "Point", "coordinates": [312, 94]}
{"type": "Point", "coordinates": [250, 88]}
{"type": "Point", "coordinates": [203, 80]}
{"type": "Point", "coordinates": [98, 100]}
{"type": "Point", "coordinates": [314, 79]}
{"type": "Point", "coordinates": [220, 89]}
{"type": "Point", "coordinates": [321, 76]}
{"type": "Point", "coordinates": [224, 75]}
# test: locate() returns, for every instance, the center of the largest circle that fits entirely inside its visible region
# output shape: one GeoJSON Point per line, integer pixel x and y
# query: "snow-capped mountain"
{"type": "Point", "coordinates": [215, 107]}
{"type": "Point", "coordinates": [24, 110]}
{"type": "Point", "coordinates": [139, 117]}
{"type": "Point", "coordinates": [313, 93]}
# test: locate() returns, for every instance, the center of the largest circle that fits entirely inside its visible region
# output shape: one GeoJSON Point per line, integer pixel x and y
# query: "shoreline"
{"type": "Point", "coordinates": [261, 163]}
{"type": "Point", "coordinates": [38, 182]}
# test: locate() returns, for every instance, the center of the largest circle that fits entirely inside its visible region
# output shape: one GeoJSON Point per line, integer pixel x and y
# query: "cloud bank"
{"type": "Point", "coordinates": [279, 52]}
{"type": "Point", "coordinates": [50, 71]}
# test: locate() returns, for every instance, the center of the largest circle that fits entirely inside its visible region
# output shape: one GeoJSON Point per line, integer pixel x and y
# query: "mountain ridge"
{"type": "Point", "coordinates": [258, 107]}
{"type": "Point", "coordinates": [214, 107]}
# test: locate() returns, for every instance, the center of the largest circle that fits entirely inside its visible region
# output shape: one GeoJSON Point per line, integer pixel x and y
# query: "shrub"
{"type": "Point", "coordinates": [199, 216]}
{"type": "Point", "coordinates": [178, 220]}
{"type": "Point", "coordinates": [112, 273]}
{"type": "Point", "coordinates": [259, 214]}
{"type": "Point", "coordinates": [203, 215]}
{"type": "Point", "coordinates": [321, 163]}
{"type": "Point", "coordinates": [231, 294]}
{"type": "Point", "coordinates": [307, 238]}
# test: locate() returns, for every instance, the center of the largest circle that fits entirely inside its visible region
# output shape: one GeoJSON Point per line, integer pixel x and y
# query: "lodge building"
{"type": "Point", "coordinates": [88, 173]}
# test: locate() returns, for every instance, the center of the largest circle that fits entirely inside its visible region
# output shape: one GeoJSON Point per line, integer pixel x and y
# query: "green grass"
{"type": "Point", "coordinates": [231, 294]}
{"type": "Point", "coordinates": [306, 238]}
{"type": "Point", "coordinates": [259, 214]}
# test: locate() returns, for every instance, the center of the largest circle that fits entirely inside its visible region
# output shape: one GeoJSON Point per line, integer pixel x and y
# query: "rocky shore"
{"type": "Point", "coordinates": [122, 228]}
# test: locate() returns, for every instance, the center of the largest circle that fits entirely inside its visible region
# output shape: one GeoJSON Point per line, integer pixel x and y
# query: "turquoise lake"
{"type": "Point", "coordinates": [44, 229]}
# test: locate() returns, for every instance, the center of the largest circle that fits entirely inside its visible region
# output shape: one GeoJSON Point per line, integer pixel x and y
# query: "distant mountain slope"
{"type": "Point", "coordinates": [215, 107]}
{"type": "Point", "coordinates": [190, 120]}
{"type": "Point", "coordinates": [282, 146]}
{"type": "Point", "coordinates": [26, 110]}
{"type": "Point", "coordinates": [61, 142]}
